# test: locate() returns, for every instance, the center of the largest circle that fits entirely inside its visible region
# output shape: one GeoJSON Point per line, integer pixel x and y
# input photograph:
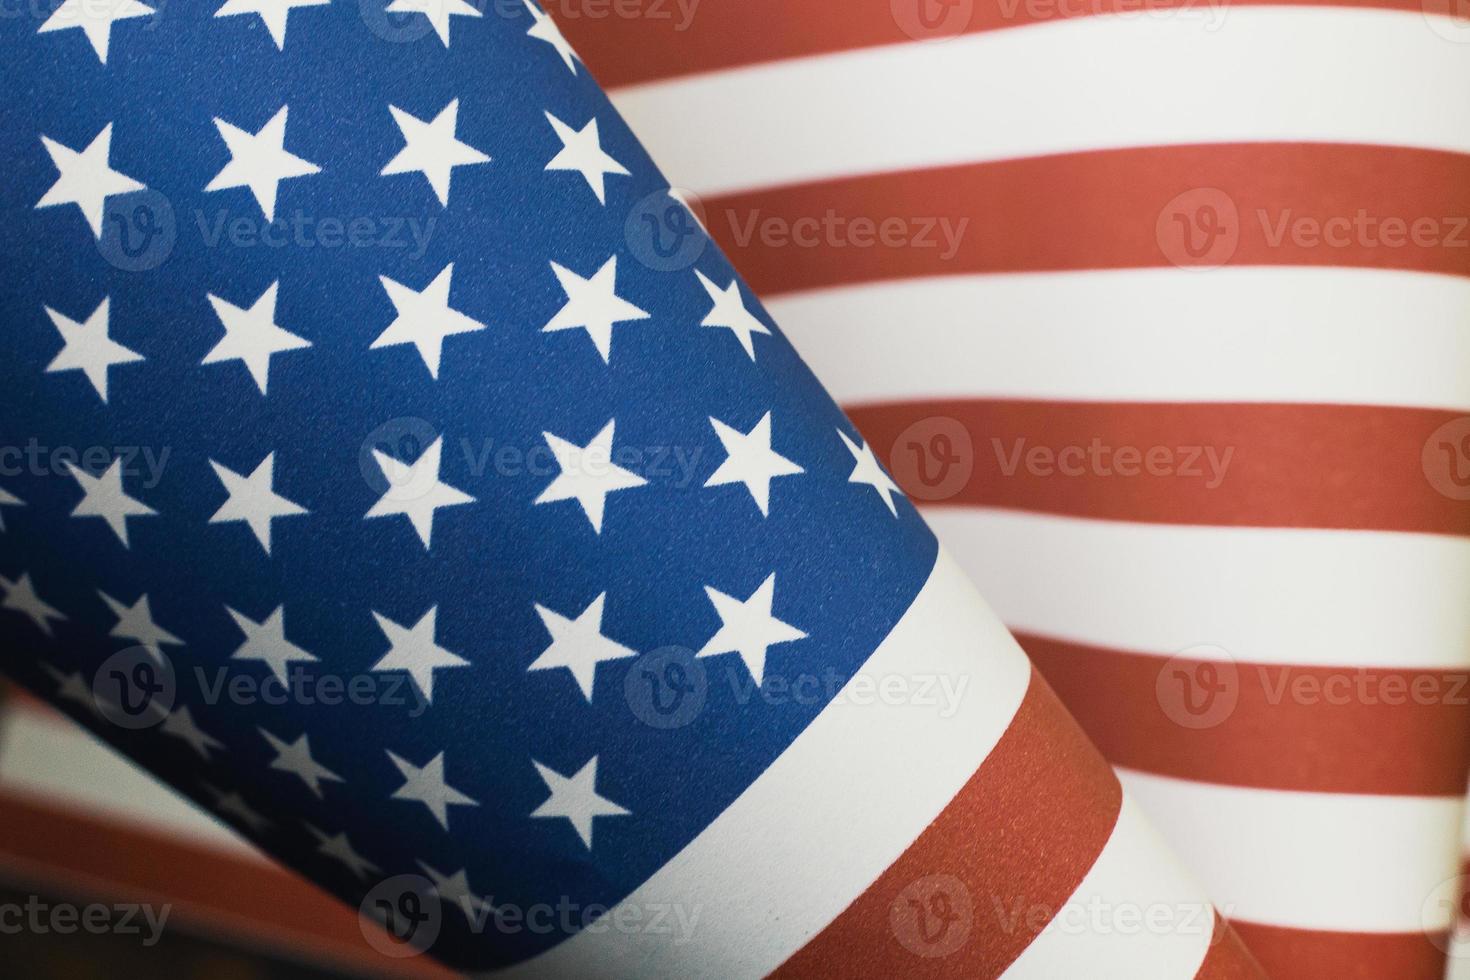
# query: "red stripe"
{"type": "Point", "coordinates": [1018, 838]}
{"type": "Point", "coordinates": [1003, 857]}
{"type": "Point", "coordinates": [1302, 954]}
{"type": "Point", "coordinates": [1108, 209]}
{"type": "Point", "coordinates": [20, 699]}
{"type": "Point", "coordinates": [630, 41]}
{"type": "Point", "coordinates": [1313, 729]}
{"type": "Point", "coordinates": [215, 892]}
{"type": "Point", "coordinates": [1318, 466]}
{"type": "Point", "coordinates": [1229, 958]}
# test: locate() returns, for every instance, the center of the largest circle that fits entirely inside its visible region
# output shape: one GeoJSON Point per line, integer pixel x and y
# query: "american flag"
{"type": "Point", "coordinates": [397, 470]}
{"type": "Point", "coordinates": [1183, 387]}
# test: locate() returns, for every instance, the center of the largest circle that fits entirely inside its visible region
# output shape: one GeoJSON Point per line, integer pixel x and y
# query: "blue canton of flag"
{"type": "Point", "coordinates": [393, 465]}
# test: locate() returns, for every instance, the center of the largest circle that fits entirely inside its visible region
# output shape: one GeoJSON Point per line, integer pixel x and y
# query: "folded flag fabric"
{"type": "Point", "coordinates": [389, 486]}
{"type": "Point", "coordinates": [82, 823]}
{"type": "Point", "coordinates": [1162, 314]}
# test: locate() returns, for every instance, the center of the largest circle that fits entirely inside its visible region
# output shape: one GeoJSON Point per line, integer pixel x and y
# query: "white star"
{"type": "Point", "coordinates": [578, 644]}
{"type": "Point", "coordinates": [72, 687]}
{"type": "Point", "coordinates": [588, 474]}
{"type": "Point", "coordinates": [593, 305]}
{"type": "Point", "coordinates": [751, 461]}
{"type": "Point", "coordinates": [868, 471]}
{"type": "Point", "coordinates": [295, 757]}
{"type": "Point", "coordinates": [8, 500]}
{"type": "Point", "coordinates": [88, 348]}
{"type": "Point", "coordinates": [424, 318]}
{"type": "Point", "coordinates": [432, 149]}
{"type": "Point", "coordinates": [729, 312]}
{"type": "Point", "coordinates": [266, 641]}
{"type": "Point", "coordinates": [253, 499]}
{"type": "Point", "coordinates": [576, 799]}
{"type": "Point", "coordinates": [86, 179]}
{"type": "Point", "coordinates": [103, 496]}
{"type": "Point", "coordinates": [340, 848]}
{"type": "Point", "coordinates": [748, 628]}
{"type": "Point", "coordinates": [95, 18]}
{"type": "Point", "coordinates": [180, 724]}
{"type": "Point", "coordinates": [252, 336]}
{"type": "Point", "coordinates": [544, 28]}
{"type": "Point", "coordinates": [259, 161]}
{"type": "Point", "coordinates": [272, 12]}
{"type": "Point", "coordinates": [136, 623]}
{"type": "Point", "coordinates": [455, 890]}
{"type": "Point", "coordinates": [581, 150]}
{"type": "Point", "coordinates": [232, 804]}
{"type": "Point", "coordinates": [20, 596]}
{"type": "Point", "coordinates": [438, 12]}
{"type": "Point", "coordinates": [414, 490]}
{"type": "Point", "coordinates": [414, 650]}
{"type": "Point", "coordinates": [427, 786]}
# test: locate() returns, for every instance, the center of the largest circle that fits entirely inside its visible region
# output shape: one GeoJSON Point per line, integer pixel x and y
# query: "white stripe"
{"type": "Point", "coordinates": [1134, 915]}
{"type": "Point", "coordinates": [1272, 73]}
{"type": "Point", "coordinates": [1301, 335]}
{"type": "Point", "coordinates": [50, 759]}
{"type": "Point", "coordinates": [1267, 595]}
{"type": "Point", "coordinates": [835, 810]}
{"type": "Point", "coordinates": [1325, 861]}
{"type": "Point", "coordinates": [1459, 967]}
